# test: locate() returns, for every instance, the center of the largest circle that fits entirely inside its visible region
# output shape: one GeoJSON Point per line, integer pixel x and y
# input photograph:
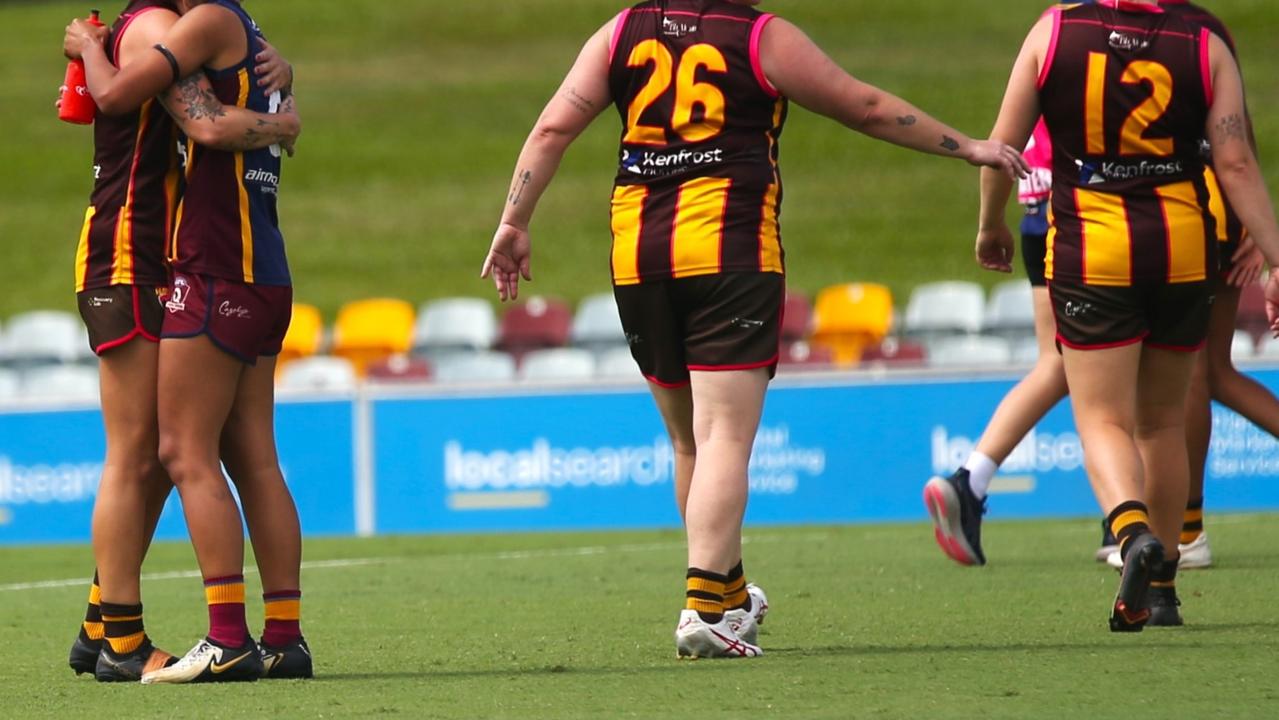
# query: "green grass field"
{"type": "Point", "coordinates": [865, 622]}
{"type": "Point", "coordinates": [414, 112]}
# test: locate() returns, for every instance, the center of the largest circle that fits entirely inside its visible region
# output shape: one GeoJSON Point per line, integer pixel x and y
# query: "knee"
{"type": "Point", "coordinates": [684, 446]}
{"type": "Point", "coordinates": [175, 458]}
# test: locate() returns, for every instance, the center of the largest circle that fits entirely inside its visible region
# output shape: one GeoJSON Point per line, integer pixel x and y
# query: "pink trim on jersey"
{"type": "Point", "coordinates": [685, 13]}
{"type": "Point", "coordinates": [1127, 6]}
{"type": "Point", "coordinates": [1205, 63]}
{"type": "Point", "coordinates": [756, 33]}
{"type": "Point", "coordinates": [1128, 28]}
{"type": "Point", "coordinates": [1037, 186]}
{"type": "Point", "coordinates": [1052, 47]}
{"type": "Point", "coordinates": [119, 36]}
{"type": "Point", "coordinates": [617, 34]}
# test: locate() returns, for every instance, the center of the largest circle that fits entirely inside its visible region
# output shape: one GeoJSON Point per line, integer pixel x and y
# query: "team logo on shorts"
{"type": "Point", "coordinates": [227, 310]}
{"type": "Point", "coordinates": [178, 301]}
{"type": "Point", "coordinates": [1078, 310]}
{"type": "Point", "coordinates": [98, 302]}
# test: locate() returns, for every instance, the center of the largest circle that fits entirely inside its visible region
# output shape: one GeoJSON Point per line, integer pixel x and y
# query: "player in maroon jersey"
{"type": "Point", "coordinates": [227, 311]}
{"type": "Point", "coordinates": [121, 274]}
{"type": "Point", "coordinates": [702, 88]}
{"type": "Point", "coordinates": [1128, 92]}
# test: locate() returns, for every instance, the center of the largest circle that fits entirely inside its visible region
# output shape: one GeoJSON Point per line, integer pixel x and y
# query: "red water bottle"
{"type": "Point", "coordinates": [75, 103]}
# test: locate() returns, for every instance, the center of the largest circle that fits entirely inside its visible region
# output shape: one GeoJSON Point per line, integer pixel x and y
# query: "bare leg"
{"type": "Point", "coordinates": [1230, 387]}
{"type": "Point", "coordinates": [196, 392]}
{"type": "Point", "coordinates": [1103, 386]}
{"type": "Point", "coordinates": [134, 485]}
{"type": "Point", "coordinates": [248, 451]}
{"type": "Point", "coordinates": [726, 412]}
{"type": "Point", "coordinates": [1161, 439]}
{"type": "Point", "coordinates": [676, 407]}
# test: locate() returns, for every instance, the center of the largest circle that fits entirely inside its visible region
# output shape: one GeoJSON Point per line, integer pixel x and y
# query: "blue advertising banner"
{"type": "Point", "coordinates": [51, 463]}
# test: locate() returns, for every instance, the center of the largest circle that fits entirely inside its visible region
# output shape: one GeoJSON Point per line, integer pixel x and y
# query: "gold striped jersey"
{"type": "Point", "coordinates": [698, 190]}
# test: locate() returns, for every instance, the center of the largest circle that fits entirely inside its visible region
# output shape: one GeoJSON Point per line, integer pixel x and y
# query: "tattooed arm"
{"type": "Point", "coordinates": [204, 119]}
{"type": "Point", "coordinates": [800, 70]}
{"type": "Point", "coordinates": [581, 98]}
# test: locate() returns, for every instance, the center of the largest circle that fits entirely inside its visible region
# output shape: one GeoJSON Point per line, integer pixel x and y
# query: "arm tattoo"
{"type": "Point", "coordinates": [517, 191]}
{"type": "Point", "coordinates": [578, 100]}
{"type": "Point", "coordinates": [200, 103]}
{"type": "Point", "coordinates": [949, 143]}
{"type": "Point", "coordinates": [1231, 127]}
{"type": "Point", "coordinates": [906, 120]}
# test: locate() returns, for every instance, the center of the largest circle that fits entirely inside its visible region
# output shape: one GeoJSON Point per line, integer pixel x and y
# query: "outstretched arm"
{"type": "Point", "coordinates": [803, 72]}
{"type": "Point", "coordinates": [581, 98]}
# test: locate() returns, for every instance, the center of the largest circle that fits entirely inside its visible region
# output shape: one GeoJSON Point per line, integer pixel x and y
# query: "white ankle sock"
{"type": "Point", "coordinates": [980, 470]}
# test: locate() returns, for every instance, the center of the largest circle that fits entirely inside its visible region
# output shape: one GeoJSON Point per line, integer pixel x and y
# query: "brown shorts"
{"type": "Point", "coordinates": [730, 321]}
{"type": "Point", "coordinates": [1167, 316]}
{"type": "Point", "coordinates": [246, 321]}
{"type": "Point", "coordinates": [117, 314]}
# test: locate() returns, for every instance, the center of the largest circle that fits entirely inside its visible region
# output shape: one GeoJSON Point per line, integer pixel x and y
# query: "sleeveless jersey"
{"type": "Point", "coordinates": [1125, 91]}
{"type": "Point", "coordinates": [698, 190]}
{"type": "Point", "coordinates": [227, 225]}
{"type": "Point", "coordinates": [135, 189]}
{"type": "Point", "coordinates": [1229, 227]}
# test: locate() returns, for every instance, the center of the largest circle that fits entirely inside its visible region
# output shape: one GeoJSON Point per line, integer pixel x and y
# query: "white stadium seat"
{"type": "Point", "coordinates": [10, 385]}
{"type": "Point", "coordinates": [617, 364]}
{"type": "Point", "coordinates": [318, 373]}
{"type": "Point", "coordinates": [1025, 351]}
{"type": "Point", "coordinates": [970, 351]}
{"type": "Point", "coordinates": [454, 324]}
{"type": "Point", "coordinates": [475, 367]}
{"type": "Point", "coordinates": [1011, 309]}
{"type": "Point", "coordinates": [597, 326]}
{"type": "Point", "coordinates": [61, 383]}
{"type": "Point", "coordinates": [45, 336]}
{"type": "Point", "coordinates": [1241, 345]}
{"type": "Point", "coordinates": [558, 364]}
{"type": "Point", "coordinates": [1269, 348]}
{"type": "Point", "coordinates": [945, 308]}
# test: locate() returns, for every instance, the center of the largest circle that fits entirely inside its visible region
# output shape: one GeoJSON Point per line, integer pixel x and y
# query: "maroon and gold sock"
{"type": "Point", "coordinates": [1192, 522]}
{"type": "Point", "coordinates": [705, 594]}
{"type": "Point", "coordinates": [735, 595]}
{"type": "Point", "coordinates": [225, 595]}
{"type": "Point", "coordinates": [91, 629]}
{"type": "Point", "coordinates": [1128, 521]}
{"type": "Point", "coordinates": [283, 617]}
{"type": "Point", "coordinates": [122, 625]}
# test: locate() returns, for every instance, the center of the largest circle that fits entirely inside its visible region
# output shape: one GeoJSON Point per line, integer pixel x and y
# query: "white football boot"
{"type": "Point", "coordinates": [746, 622]}
{"type": "Point", "coordinates": [210, 662]}
{"type": "Point", "coordinates": [696, 638]}
{"type": "Point", "coordinates": [1194, 556]}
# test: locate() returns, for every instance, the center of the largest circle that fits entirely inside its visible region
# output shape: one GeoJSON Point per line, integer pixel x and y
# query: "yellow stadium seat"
{"type": "Point", "coordinates": [306, 333]}
{"type": "Point", "coordinates": [848, 318]}
{"type": "Point", "coordinates": [370, 330]}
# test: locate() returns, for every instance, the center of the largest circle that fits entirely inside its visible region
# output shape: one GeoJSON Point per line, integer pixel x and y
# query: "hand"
{"type": "Point", "coordinates": [508, 259]}
{"type": "Point", "coordinates": [1272, 301]}
{"type": "Point", "coordinates": [274, 73]}
{"type": "Point", "coordinates": [997, 155]}
{"type": "Point", "coordinates": [995, 249]}
{"type": "Point", "coordinates": [1248, 263]}
{"type": "Point", "coordinates": [79, 33]}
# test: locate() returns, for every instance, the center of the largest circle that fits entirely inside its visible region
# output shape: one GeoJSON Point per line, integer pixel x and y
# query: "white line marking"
{"type": "Point", "coordinates": [187, 574]}
{"type": "Point", "coordinates": [638, 548]}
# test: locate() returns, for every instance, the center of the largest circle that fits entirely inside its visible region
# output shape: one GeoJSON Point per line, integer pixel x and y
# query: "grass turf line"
{"type": "Point", "coordinates": [530, 626]}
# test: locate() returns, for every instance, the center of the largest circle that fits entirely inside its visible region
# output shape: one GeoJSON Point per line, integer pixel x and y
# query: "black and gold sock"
{"type": "Point", "coordinates": [1192, 522]}
{"type": "Point", "coordinates": [1128, 521]}
{"type": "Point", "coordinates": [735, 595]}
{"type": "Point", "coordinates": [91, 628]}
{"type": "Point", "coordinates": [705, 594]}
{"type": "Point", "coordinates": [123, 626]}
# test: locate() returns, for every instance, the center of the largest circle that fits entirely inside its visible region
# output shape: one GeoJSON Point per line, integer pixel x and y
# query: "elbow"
{"type": "Point", "coordinates": [110, 103]}
{"type": "Point", "coordinates": [551, 136]}
{"type": "Point", "coordinates": [1234, 166]}
{"type": "Point", "coordinates": [207, 134]}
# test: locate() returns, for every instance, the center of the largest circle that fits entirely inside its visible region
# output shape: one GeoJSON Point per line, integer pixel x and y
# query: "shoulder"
{"type": "Point", "coordinates": [147, 27]}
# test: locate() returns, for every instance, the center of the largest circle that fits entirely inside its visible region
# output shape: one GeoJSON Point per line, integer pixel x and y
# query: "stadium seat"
{"type": "Point", "coordinates": [1025, 351]}
{"type": "Point", "coordinates": [63, 383]}
{"type": "Point", "coordinates": [370, 330]}
{"type": "Point", "coordinates": [399, 369]}
{"type": "Point", "coordinates": [458, 324]}
{"type": "Point", "coordinates": [10, 385]}
{"type": "Point", "coordinates": [945, 308]}
{"type": "Point", "coordinates": [537, 324]}
{"type": "Point", "coordinates": [1252, 312]}
{"type": "Point", "coordinates": [803, 355]}
{"type": "Point", "coordinates": [597, 326]}
{"type": "Point", "coordinates": [848, 318]}
{"type": "Point", "coordinates": [797, 317]}
{"type": "Point", "coordinates": [558, 364]}
{"type": "Point", "coordinates": [617, 364]}
{"type": "Point", "coordinates": [485, 366]}
{"type": "Point", "coordinates": [1010, 312]}
{"type": "Point", "coordinates": [1267, 349]}
{"type": "Point", "coordinates": [305, 335]}
{"type": "Point", "coordinates": [969, 351]}
{"type": "Point", "coordinates": [1242, 345]}
{"type": "Point", "coordinates": [894, 352]}
{"type": "Point", "coordinates": [319, 373]}
{"type": "Point", "coordinates": [44, 337]}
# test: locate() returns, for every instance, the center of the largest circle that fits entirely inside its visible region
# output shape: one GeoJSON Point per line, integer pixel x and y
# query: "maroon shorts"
{"type": "Point", "coordinates": [246, 321]}
{"type": "Point", "coordinates": [730, 321]}
{"type": "Point", "coordinates": [1163, 315]}
{"type": "Point", "coordinates": [117, 314]}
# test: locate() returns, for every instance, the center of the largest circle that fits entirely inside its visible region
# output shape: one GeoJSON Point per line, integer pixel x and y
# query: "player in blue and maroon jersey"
{"type": "Point", "coordinates": [227, 311]}
{"type": "Point", "coordinates": [1128, 92]}
{"type": "Point", "coordinates": [702, 89]}
{"type": "Point", "coordinates": [121, 275]}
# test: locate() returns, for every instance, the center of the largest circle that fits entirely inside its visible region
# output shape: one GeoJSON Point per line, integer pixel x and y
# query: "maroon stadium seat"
{"type": "Point", "coordinates": [894, 353]}
{"type": "Point", "coordinates": [1252, 312]}
{"type": "Point", "coordinates": [797, 319]}
{"type": "Point", "coordinates": [399, 368]}
{"type": "Point", "coordinates": [800, 354]}
{"type": "Point", "coordinates": [536, 324]}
